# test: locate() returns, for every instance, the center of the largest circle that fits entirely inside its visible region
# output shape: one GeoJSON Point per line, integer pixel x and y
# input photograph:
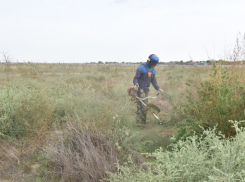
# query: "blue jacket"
{"type": "Point", "coordinates": [143, 79]}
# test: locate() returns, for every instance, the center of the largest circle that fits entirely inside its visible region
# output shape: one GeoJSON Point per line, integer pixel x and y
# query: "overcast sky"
{"type": "Point", "coordinates": [80, 31]}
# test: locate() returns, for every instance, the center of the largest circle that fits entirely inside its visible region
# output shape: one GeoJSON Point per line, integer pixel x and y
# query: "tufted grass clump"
{"type": "Point", "coordinates": [80, 153]}
{"type": "Point", "coordinates": [208, 157]}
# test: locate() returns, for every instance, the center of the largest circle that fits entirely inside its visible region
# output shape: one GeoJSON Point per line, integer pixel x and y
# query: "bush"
{"type": "Point", "coordinates": [208, 157]}
{"type": "Point", "coordinates": [26, 109]}
{"type": "Point", "coordinates": [214, 102]}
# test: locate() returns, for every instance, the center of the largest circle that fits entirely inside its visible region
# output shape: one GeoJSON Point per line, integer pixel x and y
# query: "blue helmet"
{"type": "Point", "coordinates": [153, 57]}
{"type": "Point", "coordinates": [152, 60]}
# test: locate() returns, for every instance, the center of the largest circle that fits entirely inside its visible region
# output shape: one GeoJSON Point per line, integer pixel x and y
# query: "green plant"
{"type": "Point", "coordinates": [208, 157]}
{"type": "Point", "coordinates": [214, 102]}
{"type": "Point", "coordinates": [26, 110]}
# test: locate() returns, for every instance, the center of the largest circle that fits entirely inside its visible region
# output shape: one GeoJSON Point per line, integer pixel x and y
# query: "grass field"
{"type": "Point", "coordinates": [74, 122]}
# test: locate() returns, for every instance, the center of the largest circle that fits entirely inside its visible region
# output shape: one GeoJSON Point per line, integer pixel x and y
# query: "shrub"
{"type": "Point", "coordinates": [215, 101]}
{"type": "Point", "coordinates": [25, 110]}
{"type": "Point", "coordinates": [212, 158]}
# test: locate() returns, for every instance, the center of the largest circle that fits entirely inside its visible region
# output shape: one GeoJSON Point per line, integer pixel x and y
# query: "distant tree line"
{"type": "Point", "coordinates": [190, 62]}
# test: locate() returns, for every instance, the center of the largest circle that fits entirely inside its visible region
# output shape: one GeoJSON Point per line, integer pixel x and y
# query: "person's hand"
{"type": "Point", "coordinates": [136, 87]}
{"type": "Point", "coordinates": [160, 91]}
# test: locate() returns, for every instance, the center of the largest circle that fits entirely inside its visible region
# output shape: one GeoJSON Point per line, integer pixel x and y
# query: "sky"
{"type": "Point", "coordinates": [80, 31]}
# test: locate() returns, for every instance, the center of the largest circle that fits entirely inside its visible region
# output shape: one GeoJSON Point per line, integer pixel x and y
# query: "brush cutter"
{"type": "Point", "coordinates": [149, 107]}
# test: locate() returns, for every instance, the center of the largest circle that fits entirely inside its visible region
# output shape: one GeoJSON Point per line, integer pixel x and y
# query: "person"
{"type": "Point", "coordinates": [145, 75]}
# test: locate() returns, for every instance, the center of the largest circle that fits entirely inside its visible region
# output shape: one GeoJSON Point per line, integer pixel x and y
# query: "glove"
{"type": "Point", "coordinates": [160, 91]}
{"type": "Point", "coordinates": [136, 87]}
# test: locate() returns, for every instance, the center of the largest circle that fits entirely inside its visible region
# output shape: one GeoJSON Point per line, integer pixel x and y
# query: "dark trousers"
{"type": "Point", "coordinates": [141, 110]}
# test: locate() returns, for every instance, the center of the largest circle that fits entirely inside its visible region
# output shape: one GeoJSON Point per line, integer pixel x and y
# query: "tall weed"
{"type": "Point", "coordinates": [215, 101]}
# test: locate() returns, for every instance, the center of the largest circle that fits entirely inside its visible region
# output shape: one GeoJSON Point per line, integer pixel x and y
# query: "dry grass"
{"type": "Point", "coordinates": [81, 154]}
